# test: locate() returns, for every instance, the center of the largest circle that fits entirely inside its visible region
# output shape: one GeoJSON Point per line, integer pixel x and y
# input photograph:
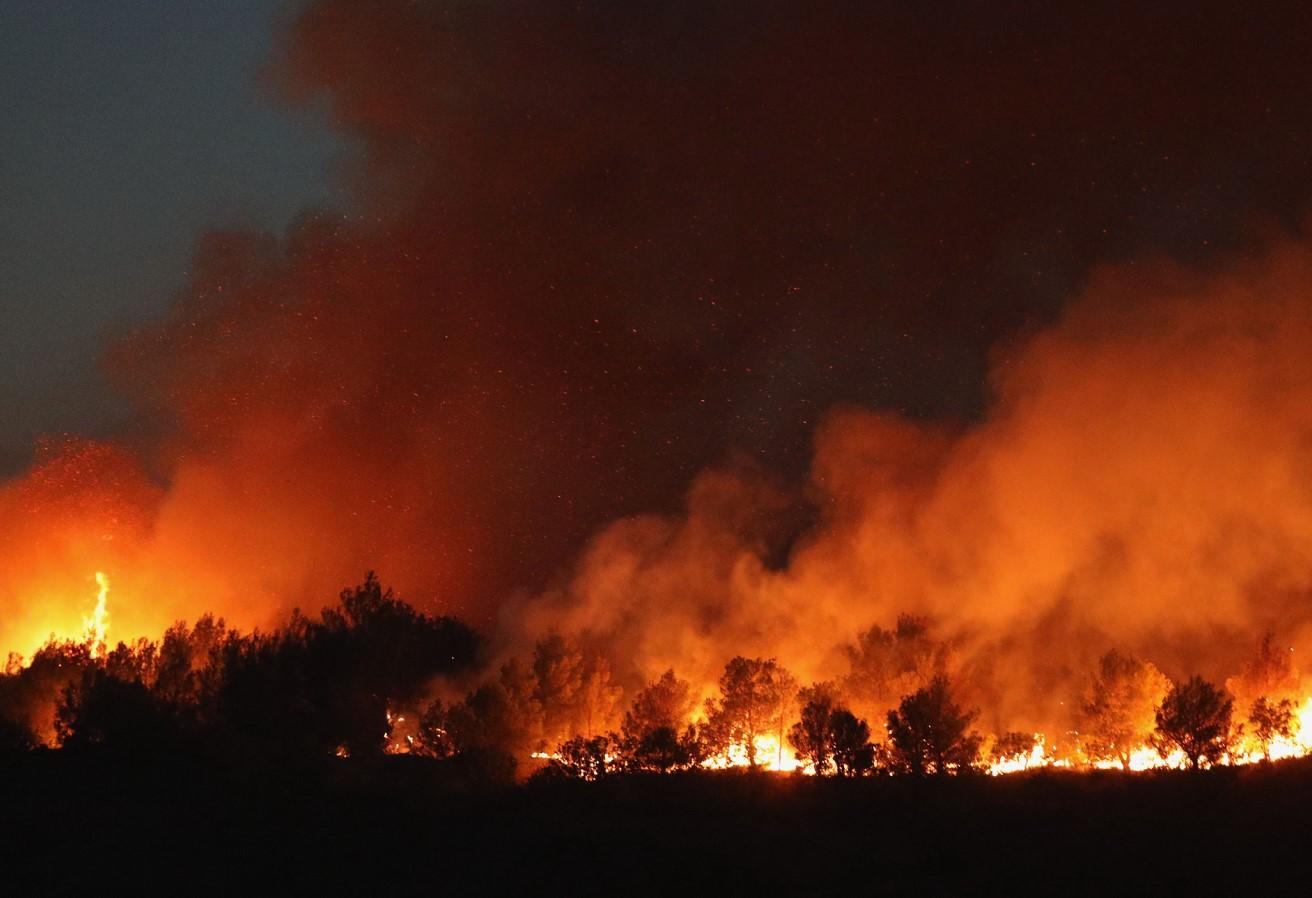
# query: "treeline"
{"type": "Point", "coordinates": [313, 687]}
{"type": "Point", "coordinates": [357, 681]}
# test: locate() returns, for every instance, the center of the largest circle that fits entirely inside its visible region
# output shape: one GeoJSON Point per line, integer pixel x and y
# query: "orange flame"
{"type": "Point", "coordinates": [96, 627]}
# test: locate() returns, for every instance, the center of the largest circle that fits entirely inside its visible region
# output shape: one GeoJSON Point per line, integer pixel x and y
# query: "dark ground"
{"type": "Point", "coordinates": [403, 825]}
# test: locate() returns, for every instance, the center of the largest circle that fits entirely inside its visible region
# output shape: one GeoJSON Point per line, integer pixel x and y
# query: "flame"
{"type": "Point", "coordinates": [96, 627]}
{"type": "Point", "coordinates": [770, 757]}
{"type": "Point", "coordinates": [1147, 758]}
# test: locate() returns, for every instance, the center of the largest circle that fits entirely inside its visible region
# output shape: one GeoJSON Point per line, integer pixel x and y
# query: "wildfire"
{"type": "Point", "coordinates": [770, 756]}
{"type": "Point", "coordinates": [1145, 757]}
{"type": "Point", "coordinates": [96, 627]}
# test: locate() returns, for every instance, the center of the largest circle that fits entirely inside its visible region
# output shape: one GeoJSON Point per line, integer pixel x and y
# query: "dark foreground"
{"type": "Point", "coordinates": [402, 825]}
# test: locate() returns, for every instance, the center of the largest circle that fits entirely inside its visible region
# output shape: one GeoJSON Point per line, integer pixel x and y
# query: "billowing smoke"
{"type": "Point", "coordinates": [1141, 481]}
{"type": "Point", "coordinates": [596, 254]}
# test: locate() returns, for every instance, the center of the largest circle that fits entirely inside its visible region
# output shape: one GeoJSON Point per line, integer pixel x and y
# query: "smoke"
{"type": "Point", "coordinates": [840, 286]}
{"type": "Point", "coordinates": [1141, 480]}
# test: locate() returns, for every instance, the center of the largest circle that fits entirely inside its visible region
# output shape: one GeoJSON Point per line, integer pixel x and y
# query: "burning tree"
{"type": "Point", "coordinates": [1120, 707]}
{"type": "Point", "coordinates": [1271, 721]}
{"type": "Point", "coordinates": [1265, 684]}
{"type": "Point", "coordinates": [1015, 747]}
{"type": "Point", "coordinates": [1195, 718]}
{"type": "Point", "coordinates": [854, 753]}
{"type": "Point", "coordinates": [1268, 672]}
{"type": "Point", "coordinates": [653, 735]}
{"type": "Point", "coordinates": [582, 758]}
{"type": "Point", "coordinates": [929, 732]}
{"type": "Point", "coordinates": [829, 737]}
{"type": "Point", "coordinates": [756, 696]}
{"type": "Point", "coordinates": [888, 664]}
{"type": "Point", "coordinates": [812, 736]}
{"type": "Point", "coordinates": [574, 689]}
{"type": "Point", "coordinates": [316, 685]}
{"type": "Point", "coordinates": [502, 715]}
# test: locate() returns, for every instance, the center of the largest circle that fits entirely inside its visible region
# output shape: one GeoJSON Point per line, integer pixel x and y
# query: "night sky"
{"type": "Point", "coordinates": [590, 249]}
{"type": "Point", "coordinates": [129, 127]}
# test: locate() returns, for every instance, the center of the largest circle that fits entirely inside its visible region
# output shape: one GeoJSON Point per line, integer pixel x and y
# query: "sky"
{"type": "Point", "coordinates": [128, 128]}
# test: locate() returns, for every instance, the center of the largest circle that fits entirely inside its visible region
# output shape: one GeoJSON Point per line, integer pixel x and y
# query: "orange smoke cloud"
{"type": "Point", "coordinates": [1140, 480]}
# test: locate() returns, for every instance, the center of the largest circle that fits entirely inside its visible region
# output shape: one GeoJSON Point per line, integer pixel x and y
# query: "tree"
{"type": "Point", "coordinates": [928, 732]}
{"type": "Point", "coordinates": [315, 685]}
{"type": "Point", "coordinates": [433, 735]}
{"type": "Point", "coordinates": [502, 715]}
{"type": "Point", "coordinates": [119, 714]}
{"type": "Point", "coordinates": [1268, 673]}
{"type": "Point", "coordinates": [1195, 718]}
{"type": "Point", "coordinates": [755, 698]}
{"type": "Point", "coordinates": [574, 689]}
{"type": "Point", "coordinates": [654, 734]}
{"type": "Point", "coordinates": [887, 664]}
{"type": "Point", "coordinates": [812, 736]}
{"type": "Point", "coordinates": [1271, 721]}
{"type": "Point", "coordinates": [1013, 746]}
{"type": "Point", "coordinates": [30, 696]}
{"type": "Point", "coordinates": [1120, 706]}
{"type": "Point", "coordinates": [854, 753]}
{"type": "Point", "coordinates": [829, 736]}
{"type": "Point", "coordinates": [582, 758]}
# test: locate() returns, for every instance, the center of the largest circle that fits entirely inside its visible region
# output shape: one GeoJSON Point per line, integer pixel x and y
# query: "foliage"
{"type": "Point", "coordinates": [812, 735]}
{"type": "Point", "coordinates": [124, 715]}
{"type": "Point", "coordinates": [1195, 718]}
{"type": "Point", "coordinates": [1271, 720]}
{"type": "Point", "coordinates": [929, 733]}
{"type": "Point", "coordinates": [654, 734]}
{"type": "Point", "coordinates": [583, 758]}
{"type": "Point", "coordinates": [300, 691]}
{"type": "Point", "coordinates": [1267, 673]}
{"type": "Point", "coordinates": [433, 736]}
{"type": "Point", "coordinates": [888, 664]}
{"type": "Point", "coordinates": [854, 753]}
{"type": "Point", "coordinates": [756, 697]}
{"type": "Point", "coordinates": [1012, 745]}
{"type": "Point", "coordinates": [29, 696]}
{"type": "Point", "coordinates": [573, 689]}
{"type": "Point", "coordinates": [829, 737]}
{"type": "Point", "coordinates": [1120, 707]}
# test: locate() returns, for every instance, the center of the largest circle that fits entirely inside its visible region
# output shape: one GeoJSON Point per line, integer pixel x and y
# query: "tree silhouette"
{"type": "Point", "coordinates": [1120, 706]}
{"type": "Point", "coordinates": [1271, 721]}
{"type": "Point", "coordinates": [583, 758]}
{"type": "Point", "coordinates": [812, 736]}
{"type": "Point", "coordinates": [755, 697]}
{"type": "Point", "coordinates": [888, 664]}
{"type": "Point", "coordinates": [315, 685]}
{"type": "Point", "coordinates": [651, 737]}
{"type": "Point", "coordinates": [929, 732]}
{"type": "Point", "coordinates": [854, 754]}
{"type": "Point", "coordinates": [30, 696]}
{"type": "Point", "coordinates": [1195, 718]}
{"type": "Point", "coordinates": [432, 735]}
{"type": "Point", "coordinates": [830, 737]}
{"type": "Point", "coordinates": [108, 712]}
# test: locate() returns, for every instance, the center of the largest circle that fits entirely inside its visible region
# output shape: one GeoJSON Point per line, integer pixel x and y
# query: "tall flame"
{"type": "Point", "coordinates": [96, 626]}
